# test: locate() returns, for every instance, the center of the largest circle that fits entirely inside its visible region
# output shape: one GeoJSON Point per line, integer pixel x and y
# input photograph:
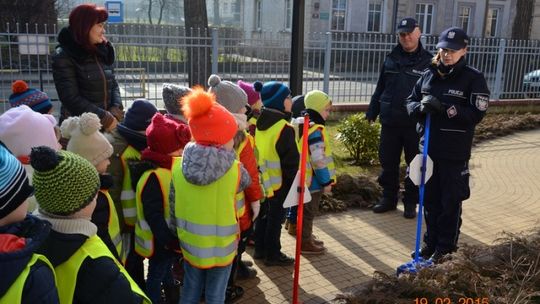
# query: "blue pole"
{"type": "Point", "coordinates": [422, 189]}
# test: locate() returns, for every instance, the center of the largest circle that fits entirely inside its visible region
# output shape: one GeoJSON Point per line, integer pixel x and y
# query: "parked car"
{"type": "Point", "coordinates": [531, 84]}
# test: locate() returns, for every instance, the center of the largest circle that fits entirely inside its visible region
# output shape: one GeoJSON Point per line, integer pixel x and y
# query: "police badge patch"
{"type": "Point", "coordinates": [451, 112]}
{"type": "Point", "coordinates": [480, 101]}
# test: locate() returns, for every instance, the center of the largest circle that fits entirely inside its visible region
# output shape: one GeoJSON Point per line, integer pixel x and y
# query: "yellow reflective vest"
{"type": "Point", "coordinates": [329, 160]}
{"type": "Point", "coordinates": [93, 248]}
{"type": "Point", "coordinates": [206, 221]}
{"type": "Point", "coordinates": [127, 197]}
{"type": "Point", "coordinates": [114, 227]}
{"type": "Point", "coordinates": [14, 293]}
{"type": "Point", "coordinates": [144, 238]}
{"type": "Point", "coordinates": [268, 158]}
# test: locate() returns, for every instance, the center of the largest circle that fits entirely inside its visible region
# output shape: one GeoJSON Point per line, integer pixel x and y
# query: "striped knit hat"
{"type": "Point", "coordinates": [35, 99]}
{"type": "Point", "coordinates": [65, 182]}
{"type": "Point", "coordinates": [14, 186]}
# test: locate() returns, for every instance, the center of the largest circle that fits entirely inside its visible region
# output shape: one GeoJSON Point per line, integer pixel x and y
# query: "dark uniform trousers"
{"type": "Point", "coordinates": [393, 141]}
{"type": "Point", "coordinates": [268, 228]}
{"type": "Point", "coordinates": [445, 191]}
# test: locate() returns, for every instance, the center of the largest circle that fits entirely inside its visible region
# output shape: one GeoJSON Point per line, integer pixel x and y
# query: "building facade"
{"type": "Point", "coordinates": [479, 18]}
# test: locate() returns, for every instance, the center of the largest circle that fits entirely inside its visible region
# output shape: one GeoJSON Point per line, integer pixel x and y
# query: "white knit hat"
{"type": "Point", "coordinates": [85, 138]}
{"type": "Point", "coordinates": [21, 129]}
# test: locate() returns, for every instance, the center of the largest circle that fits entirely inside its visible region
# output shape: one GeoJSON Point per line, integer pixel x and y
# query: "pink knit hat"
{"type": "Point", "coordinates": [252, 95]}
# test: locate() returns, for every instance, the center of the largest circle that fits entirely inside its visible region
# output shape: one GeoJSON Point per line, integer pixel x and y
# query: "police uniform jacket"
{"type": "Point", "coordinates": [399, 73]}
{"type": "Point", "coordinates": [465, 97]}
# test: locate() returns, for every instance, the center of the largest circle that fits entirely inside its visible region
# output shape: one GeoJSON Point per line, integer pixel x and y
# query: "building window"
{"type": "Point", "coordinates": [374, 16]}
{"type": "Point", "coordinates": [288, 14]}
{"type": "Point", "coordinates": [258, 8]}
{"type": "Point", "coordinates": [424, 15]}
{"type": "Point", "coordinates": [492, 21]}
{"type": "Point", "coordinates": [464, 17]}
{"type": "Point", "coordinates": [339, 8]}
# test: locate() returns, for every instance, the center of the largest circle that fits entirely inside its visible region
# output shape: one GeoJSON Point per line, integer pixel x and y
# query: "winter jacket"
{"type": "Point", "coordinates": [101, 215]}
{"type": "Point", "coordinates": [286, 148]}
{"type": "Point", "coordinates": [165, 241]}
{"type": "Point", "coordinates": [399, 73]}
{"type": "Point", "coordinates": [98, 280]}
{"type": "Point", "coordinates": [203, 165]}
{"type": "Point", "coordinates": [254, 191]}
{"type": "Point", "coordinates": [84, 81]}
{"type": "Point", "coordinates": [30, 233]}
{"type": "Point", "coordinates": [465, 98]}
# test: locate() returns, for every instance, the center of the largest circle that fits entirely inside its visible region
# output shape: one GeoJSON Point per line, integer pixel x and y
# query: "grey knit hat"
{"type": "Point", "coordinates": [171, 97]}
{"type": "Point", "coordinates": [228, 94]}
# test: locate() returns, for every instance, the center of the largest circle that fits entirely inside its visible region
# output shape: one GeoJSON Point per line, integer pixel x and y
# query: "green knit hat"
{"type": "Point", "coordinates": [64, 182]}
{"type": "Point", "coordinates": [316, 100]}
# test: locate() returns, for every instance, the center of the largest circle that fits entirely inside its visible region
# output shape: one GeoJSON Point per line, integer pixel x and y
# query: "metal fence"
{"type": "Point", "coordinates": [346, 65]}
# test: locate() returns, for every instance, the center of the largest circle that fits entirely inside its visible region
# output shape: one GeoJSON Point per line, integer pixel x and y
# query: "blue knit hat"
{"type": "Point", "coordinates": [273, 94]}
{"type": "Point", "coordinates": [14, 185]}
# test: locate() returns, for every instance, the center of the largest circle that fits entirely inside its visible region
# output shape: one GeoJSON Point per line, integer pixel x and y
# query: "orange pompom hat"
{"type": "Point", "coordinates": [209, 122]}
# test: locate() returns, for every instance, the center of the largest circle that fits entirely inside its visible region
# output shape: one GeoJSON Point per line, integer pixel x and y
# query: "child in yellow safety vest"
{"type": "Point", "coordinates": [320, 170]}
{"type": "Point", "coordinates": [206, 181]}
{"type": "Point", "coordinates": [278, 160]}
{"type": "Point", "coordinates": [66, 187]}
{"type": "Point", "coordinates": [153, 240]}
{"type": "Point", "coordinates": [85, 140]}
{"type": "Point", "coordinates": [26, 277]}
{"type": "Point", "coordinates": [129, 139]}
{"type": "Point", "coordinates": [234, 99]}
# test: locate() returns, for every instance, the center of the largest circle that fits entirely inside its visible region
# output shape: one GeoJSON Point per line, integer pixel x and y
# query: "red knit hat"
{"type": "Point", "coordinates": [209, 122]}
{"type": "Point", "coordinates": [165, 135]}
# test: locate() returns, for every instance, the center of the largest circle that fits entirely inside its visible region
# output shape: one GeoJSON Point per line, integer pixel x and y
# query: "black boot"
{"type": "Point", "coordinates": [425, 252]}
{"type": "Point", "coordinates": [440, 256]}
{"type": "Point", "coordinates": [385, 205]}
{"type": "Point", "coordinates": [409, 211]}
{"type": "Point", "coordinates": [233, 293]}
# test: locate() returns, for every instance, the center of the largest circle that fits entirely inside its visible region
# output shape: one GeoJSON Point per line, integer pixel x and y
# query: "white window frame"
{"type": "Point", "coordinates": [425, 18]}
{"type": "Point", "coordinates": [339, 11]}
{"type": "Point", "coordinates": [288, 14]}
{"type": "Point", "coordinates": [489, 21]}
{"type": "Point", "coordinates": [372, 13]}
{"type": "Point", "coordinates": [462, 19]}
{"type": "Point", "coordinates": [258, 15]}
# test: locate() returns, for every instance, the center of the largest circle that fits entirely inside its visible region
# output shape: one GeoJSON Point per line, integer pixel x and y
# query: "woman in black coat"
{"type": "Point", "coordinates": [82, 68]}
{"type": "Point", "coordinates": [457, 97]}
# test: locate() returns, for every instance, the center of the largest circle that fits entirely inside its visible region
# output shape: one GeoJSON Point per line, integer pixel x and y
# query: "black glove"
{"type": "Point", "coordinates": [430, 104]}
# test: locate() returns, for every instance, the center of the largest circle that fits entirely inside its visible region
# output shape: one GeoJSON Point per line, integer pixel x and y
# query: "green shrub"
{"type": "Point", "coordinates": [360, 138]}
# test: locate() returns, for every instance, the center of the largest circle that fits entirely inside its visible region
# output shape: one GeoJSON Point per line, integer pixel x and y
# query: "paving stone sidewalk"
{"type": "Point", "coordinates": [505, 187]}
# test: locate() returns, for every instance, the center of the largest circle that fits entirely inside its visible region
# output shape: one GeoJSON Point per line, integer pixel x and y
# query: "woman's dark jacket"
{"type": "Point", "coordinates": [84, 81]}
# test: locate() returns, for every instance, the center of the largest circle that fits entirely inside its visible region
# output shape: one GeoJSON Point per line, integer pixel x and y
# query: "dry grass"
{"type": "Point", "coordinates": [507, 272]}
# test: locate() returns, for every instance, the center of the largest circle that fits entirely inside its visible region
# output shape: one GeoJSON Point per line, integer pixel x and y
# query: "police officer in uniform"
{"type": "Point", "coordinates": [457, 97]}
{"type": "Point", "coordinates": [401, 69]}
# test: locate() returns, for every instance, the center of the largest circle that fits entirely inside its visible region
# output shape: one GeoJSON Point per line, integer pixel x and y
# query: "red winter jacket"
{"type": "Point", "coordinates": [254, 191]}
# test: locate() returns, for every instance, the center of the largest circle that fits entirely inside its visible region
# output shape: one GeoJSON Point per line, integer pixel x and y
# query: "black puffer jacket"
{"type": "Point", "coordinates": [84, 81]}
{"type": "Point", "coordinates": [398, 75]}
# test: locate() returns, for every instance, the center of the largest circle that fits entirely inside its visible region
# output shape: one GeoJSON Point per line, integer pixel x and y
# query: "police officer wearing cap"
{"type": "Point", "coordinates": [400, 71]}
{"type": "Point", "coordinates": [457, 97]}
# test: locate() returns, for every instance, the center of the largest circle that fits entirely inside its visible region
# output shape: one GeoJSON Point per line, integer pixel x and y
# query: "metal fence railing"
{"type": "Point", "coordinates": [346, 65]}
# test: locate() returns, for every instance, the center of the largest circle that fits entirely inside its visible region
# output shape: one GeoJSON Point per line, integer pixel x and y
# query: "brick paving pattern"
{"type": "Point", "coordinates": [505, 196]}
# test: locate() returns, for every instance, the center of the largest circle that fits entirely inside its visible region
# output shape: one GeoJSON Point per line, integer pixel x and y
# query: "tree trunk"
{"type": "Point", "coordinates": [523, 20]}
{"type": "Point", "coordinates": [199, 48]}
{"type": "Point", "coordinates": [150, 11]}
{"type": "Point", "coordinates": [162, 4]}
